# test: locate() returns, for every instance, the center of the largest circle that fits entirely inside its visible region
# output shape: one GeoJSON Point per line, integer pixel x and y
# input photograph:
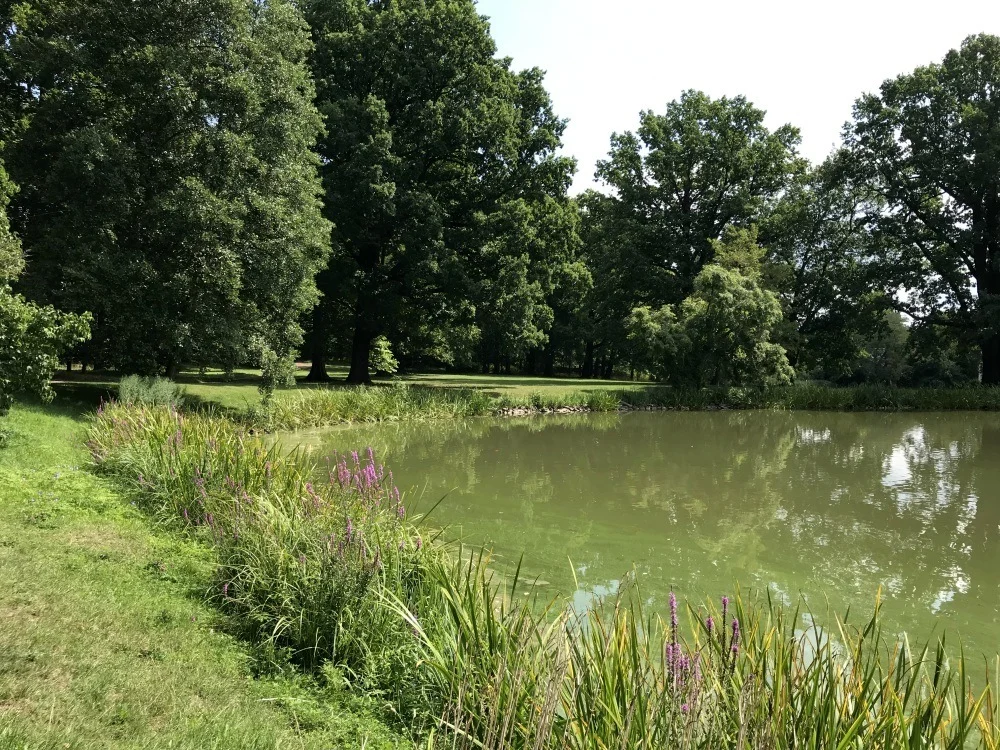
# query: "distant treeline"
{"type": "Point", "coordinates": [237, 182]}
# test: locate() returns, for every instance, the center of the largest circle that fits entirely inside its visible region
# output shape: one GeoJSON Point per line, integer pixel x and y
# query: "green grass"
{"type": "Point", "coordinates": [107, 639]}
{"type": "Point", "coordinates": [329, 575]}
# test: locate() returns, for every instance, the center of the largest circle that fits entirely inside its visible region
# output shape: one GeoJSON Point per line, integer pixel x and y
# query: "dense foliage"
{"type": "Point", "coordinates": [164, 152]}
{"type": "Point", "coordinates": [213, 178]}
{"type": "Point", "coordinates": [721, 334]}
{"type": "Point", "coordinates": [440, 175]}
{"type": "Point", "coordinates": [32, 337]}
{"type": "Point", "coordinates": [929, 144]}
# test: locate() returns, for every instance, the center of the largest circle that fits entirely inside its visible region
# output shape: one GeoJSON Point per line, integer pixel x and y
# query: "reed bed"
{"type": "Point", "coordinates": [319, 407]}
{"type": "Point", "coordinates": [320, 567]}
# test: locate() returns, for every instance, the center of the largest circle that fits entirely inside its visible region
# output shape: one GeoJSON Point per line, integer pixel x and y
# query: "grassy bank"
{"type": "Point", "coordinates": [462, 396]}
{"type": "Point", "coordinates": [106, 636]}
{"type": "Point", "coordinates": [333, 577]}
{"type": "Point", "coordinates": [307, 408]}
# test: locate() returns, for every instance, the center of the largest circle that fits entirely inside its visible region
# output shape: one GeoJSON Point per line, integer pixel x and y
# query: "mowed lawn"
{"type": "Point", "coordinates": [239, 390]}
{"type": "Point", "coordinates": [105, 637]}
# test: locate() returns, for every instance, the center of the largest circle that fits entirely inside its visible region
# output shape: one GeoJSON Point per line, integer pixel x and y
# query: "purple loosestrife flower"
{"type": "Point", "coordinates": [736, 639]}
{"type": "Point", "coordinates": [401, 512]}
{"type": "Point", "coordinates": [419, 542]}
{"type": "Point", "coordinates": [350, 530]}
{"type": "Point", "coordinates": [710, 625]}
{"type": "Point", "coordinates": [722, 630]}
{"type": "Point", "coordinates": [225, 590]}
{"type": "Point", "coordinates": [673, 617]}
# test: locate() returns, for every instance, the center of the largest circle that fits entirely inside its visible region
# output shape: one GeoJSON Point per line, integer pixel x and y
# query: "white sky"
{"type": "Point", "coordinates": [803, 61]}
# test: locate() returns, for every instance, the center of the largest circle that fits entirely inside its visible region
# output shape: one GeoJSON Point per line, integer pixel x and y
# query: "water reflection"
{"type": "Point", "coordinates": [829, 506]}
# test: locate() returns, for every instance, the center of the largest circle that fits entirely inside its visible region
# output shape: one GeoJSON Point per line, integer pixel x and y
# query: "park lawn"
{"type": "Point", "coordinates": [105, 639]}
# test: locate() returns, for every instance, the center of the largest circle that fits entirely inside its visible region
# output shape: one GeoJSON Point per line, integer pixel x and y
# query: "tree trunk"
{"type": "Point", "coordinates": [549, 362]}
{"type": "Point", "coordinates": [991, 360]}
{"type": "Point", "coordinates": [360, 355]}
{"type": "Point", "coordinates": [588, 362]}
{"type": "Point", "coordinates": [317, 348]}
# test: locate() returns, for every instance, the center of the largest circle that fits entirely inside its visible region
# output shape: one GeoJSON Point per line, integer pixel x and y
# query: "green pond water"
{"type": "Point", "coordinates": [829, 507]}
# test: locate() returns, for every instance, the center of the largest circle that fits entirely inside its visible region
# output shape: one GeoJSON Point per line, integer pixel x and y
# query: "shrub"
{"type": "Point", "coordinates": [134, 390]}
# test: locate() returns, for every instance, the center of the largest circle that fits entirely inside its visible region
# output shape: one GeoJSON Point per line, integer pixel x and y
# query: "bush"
{"type": "Point", "coordinates": [381, 359]}
{"type": "Point", "coordinates": [134, 390]}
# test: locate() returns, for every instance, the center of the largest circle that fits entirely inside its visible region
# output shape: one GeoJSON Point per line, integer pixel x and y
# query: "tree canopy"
{"type": "Point", "coordinates": [722, 333]}
{"type": "Point", "coordinates": [929, 143]}
{"type": "Point", "coordinates": [212, 179]}
{"type": "Point", "coordinates": [32, 338]}
{"type": "Point", "coordinates": [168, 181]}
{"type": "Point", "coordinates": [421, 152]}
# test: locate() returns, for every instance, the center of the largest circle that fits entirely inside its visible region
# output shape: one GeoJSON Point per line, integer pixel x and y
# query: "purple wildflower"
{"type": "Point", "coordinates": [225, 590]}
{"type": "Point", "coordinates": [736, 638]}
{"type": "Point", "coordinates": [673, 617]}
{"type": "Point", "coordinates": [722, 630]}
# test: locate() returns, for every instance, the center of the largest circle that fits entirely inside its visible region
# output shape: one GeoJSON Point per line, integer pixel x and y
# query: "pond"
{"type": "Point", "coordinates": [829, 507]}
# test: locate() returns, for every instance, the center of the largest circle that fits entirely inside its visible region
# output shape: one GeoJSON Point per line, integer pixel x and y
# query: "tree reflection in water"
{"type": "Point", "coordinates": [831, 506]}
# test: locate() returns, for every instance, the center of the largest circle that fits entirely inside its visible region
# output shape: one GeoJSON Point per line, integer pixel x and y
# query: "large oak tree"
{"type": "Point", "coordinates": [929, 143]}
{"type": "Point", "coordinates": [164, 152]}
{"type": "Point", "coordinates": [429, 136]}
{"type": "Point", "coordinates": [674, 187]}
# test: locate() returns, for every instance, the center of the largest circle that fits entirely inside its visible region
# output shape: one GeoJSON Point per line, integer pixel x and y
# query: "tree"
{"type": "Point", "coordinates": [682, 179]}
{"type": "Point", "coordinates": [929, 143]}
{"type": "Point", "coordinates": [168, 182]}
{"type": "Point", "coordinates": [428, 136]}
{"type": "Point", "coordinates": [721, 335]}
{"type": "Point", "coordinates": [821, 263]}
{"type": "Point", "coordinates": [32, 338]}
{"type": "Point", "coordinates": [676, 184]}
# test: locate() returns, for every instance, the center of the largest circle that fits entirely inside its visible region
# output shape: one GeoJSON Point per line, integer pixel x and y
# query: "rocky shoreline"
{"type": "Point", "coordinates": [535, 411]}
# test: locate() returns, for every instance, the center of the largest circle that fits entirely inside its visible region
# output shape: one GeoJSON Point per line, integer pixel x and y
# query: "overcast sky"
{"type": "Point", "coordinates": [803, 61]}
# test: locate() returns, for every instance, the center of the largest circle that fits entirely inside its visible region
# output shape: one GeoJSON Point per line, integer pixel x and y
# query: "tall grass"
{"type": "Point", "coordinates": [155, 391]}
{"type": "Point", "coordinates": [304, 564]}
{"type": "Point", "coordinates": [331, 575]}
{"type": "Point", "coordinates": [318, 407]}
